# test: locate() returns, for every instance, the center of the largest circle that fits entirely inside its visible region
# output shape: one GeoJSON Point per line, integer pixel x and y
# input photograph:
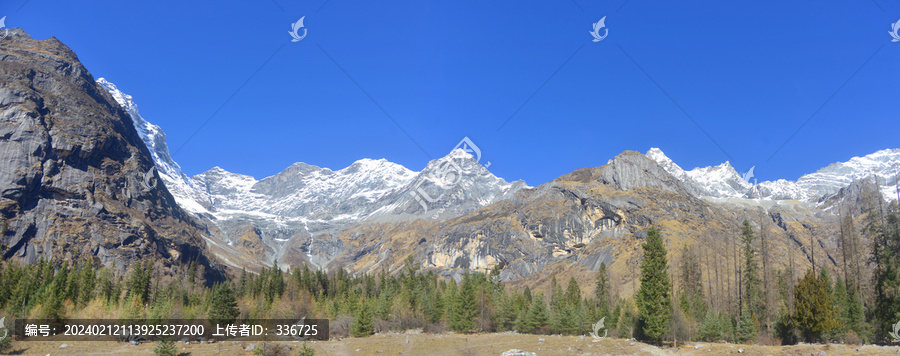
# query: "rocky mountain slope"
{"type": "Point", "coordinates": [455, 215]}
{"type": "Point", "coordinates": [77, 180]}
{"type": "Point", "coordinates": [569, 226]}
{"type": "Point", "coordinates": [293, 216]}
{"type": "Point", "coordinates": [80, 150]}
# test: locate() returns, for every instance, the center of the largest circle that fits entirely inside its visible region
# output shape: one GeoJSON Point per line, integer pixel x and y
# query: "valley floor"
{"type": "Point", "coordinates": [455, 344]}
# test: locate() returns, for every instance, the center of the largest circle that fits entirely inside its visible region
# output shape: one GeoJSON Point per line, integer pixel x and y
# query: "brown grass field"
{"type": "Point", "coordinates": [414, 343]}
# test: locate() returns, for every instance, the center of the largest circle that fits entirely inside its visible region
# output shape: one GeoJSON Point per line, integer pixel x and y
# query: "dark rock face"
{"type": "Point", "coordinates": [73, 182]}
{"type": "Point", "coordinates": [855, 198]}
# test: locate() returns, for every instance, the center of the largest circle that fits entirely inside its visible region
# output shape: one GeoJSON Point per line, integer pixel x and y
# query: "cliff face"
{"type": "Point", "coordinates": [76, 179]}
{"type": "Point", "coordinates": [569, 226]}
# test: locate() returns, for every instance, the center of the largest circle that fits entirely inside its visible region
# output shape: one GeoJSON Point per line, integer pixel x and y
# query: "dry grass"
{"type": "Point", "coordinates": [455, 344]}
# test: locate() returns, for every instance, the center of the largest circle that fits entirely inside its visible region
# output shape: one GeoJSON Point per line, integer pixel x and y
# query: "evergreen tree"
{"type": "Point", "coordinates": [223, 307]}
{"type": "Point", "coordinates": [601, 291]}
{"type": "Point", "coordinates": [841, 304]}
{"type": "Point", "coordinates": [747, 328]}
{"type": "Point", "coordinates": [507, 312]}
{"type": "Point", "coordinates": [364, 324]}
{"type": "Point", "coordinates": [814, 311]}
{"type": "Point", "coordinates": [752, 295]}
{"type": "Point", "coordinates": [855, 314]}
{"type": "Point", "coordinates": [537, 317]}
{"type": "Point", "coordinates": [714, 327]}
{"type": "Point", "coordinates": [88, 282]}
{"type": "Point", "coordinates": [306, 351]}
{"type": "Point", "coordinates": [433, 306]}
{"type": "Point", "coordinates": [139, 281]}
{"type": "Point", "coordinates": [464, 308]}
{"type": "Point", "coordinates": [53, 300]}
{"type": "Point", "coordinates": [784, 328]}
{"type": "Point", "coordinates": [573, 293]}
{"type": "Point", "coordinates": [654, 298]}
{"type": "Point", "coordinates": [883, 227]}
{"type": "Point", "coordinates": [166, 347]}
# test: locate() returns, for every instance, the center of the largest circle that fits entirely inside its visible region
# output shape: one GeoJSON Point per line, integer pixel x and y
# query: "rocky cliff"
{"type": "Point", "coordinates": [76, 180]}
{"type": "Point", "coordinates": [569, 226]}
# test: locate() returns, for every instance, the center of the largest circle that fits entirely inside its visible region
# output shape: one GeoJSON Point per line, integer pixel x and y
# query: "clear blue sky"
{"type": "Point", "coordinates": [749, 73]}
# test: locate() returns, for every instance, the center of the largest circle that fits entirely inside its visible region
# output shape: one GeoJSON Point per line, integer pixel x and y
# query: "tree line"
{"type": "Point", "coordinates": [695, 299]}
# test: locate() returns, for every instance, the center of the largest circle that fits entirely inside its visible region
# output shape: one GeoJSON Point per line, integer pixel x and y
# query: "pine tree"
{"type": "Point", "coordinates": [814, 311]}
{"type": "Point", "coordinates": [654, 298]}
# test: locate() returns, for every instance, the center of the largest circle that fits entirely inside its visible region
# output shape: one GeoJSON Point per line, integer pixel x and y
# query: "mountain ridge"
{"type": "Point", "coordinates": [723, 181]}
{"type": "Point", "coordinates": [324, 218]}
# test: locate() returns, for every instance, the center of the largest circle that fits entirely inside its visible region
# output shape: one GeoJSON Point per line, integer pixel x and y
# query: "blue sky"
{"type": "Point", "coordinates": [407, 80]}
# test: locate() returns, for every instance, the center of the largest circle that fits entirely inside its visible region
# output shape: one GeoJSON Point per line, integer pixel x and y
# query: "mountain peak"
{"type": "Point", "coordinates": [657, 155]}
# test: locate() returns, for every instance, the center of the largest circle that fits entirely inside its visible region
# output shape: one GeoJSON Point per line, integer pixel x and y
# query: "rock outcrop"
{"type": "Point", "coordinates": [76, 179]}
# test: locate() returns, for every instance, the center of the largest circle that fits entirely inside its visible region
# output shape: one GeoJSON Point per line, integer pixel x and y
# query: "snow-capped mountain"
{"type": "Point", "coordinates": [297, 215]}
{"type": "Point", "coordinates": [450, 186]}
{"type": "Point", "coordinates": [297, 205]}
{"type": "Point", "coordinates": [304, 191]}
{"type": "Point", "coordinates": [175, 180]}
{"type": "Point", "coordinates": [723, 181]}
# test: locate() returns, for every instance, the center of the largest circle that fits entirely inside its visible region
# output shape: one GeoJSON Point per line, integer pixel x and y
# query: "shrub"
{"type": "Point", "coordinates": [270, 349]}
{"type": "Point", "coordinates": [165, 348]}
{"type": "Point", "coordinates": [306, 351]}
{"type": "Point", "coordinates": [785, 329]}
{"type": "Point", "coordinates": [714, 327]}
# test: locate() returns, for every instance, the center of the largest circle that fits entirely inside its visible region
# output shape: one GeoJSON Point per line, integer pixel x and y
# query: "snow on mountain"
{"type": "Point", "coordinates": [304, 191]}
{"type": "Point", "coordinates": [449, 186]}
{"type": "Point", "coordinates": [723, 181]}
{"type": "Point", "coordinates": [175, 180]}
{"type": "Point", "coordinates": [884, 164]}
{"type": "Point", "coordinates": [720, 181]}
{"type": "Point", "coordinates": [666, 163]}
{"type": "Point", "coordinates": [304, 204]}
